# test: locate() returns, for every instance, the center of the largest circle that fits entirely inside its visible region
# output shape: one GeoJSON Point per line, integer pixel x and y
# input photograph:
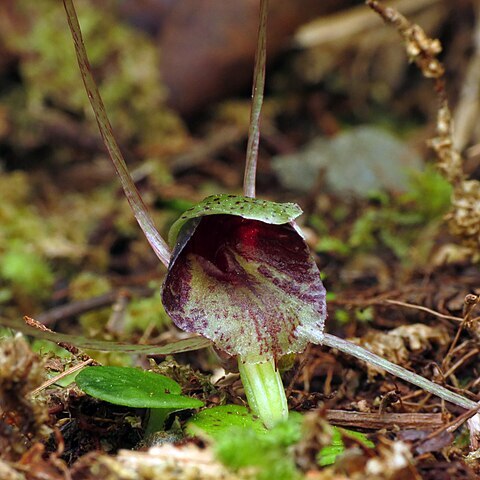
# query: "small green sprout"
{"type": "Point", "coordinates": [328, 454]}
{"type": "Point", "coordinates": [132, 387]}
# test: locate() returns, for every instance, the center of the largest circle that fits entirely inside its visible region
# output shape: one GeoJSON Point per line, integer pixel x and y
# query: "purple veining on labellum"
{"type": "Point", "coordinates": [246, 285]}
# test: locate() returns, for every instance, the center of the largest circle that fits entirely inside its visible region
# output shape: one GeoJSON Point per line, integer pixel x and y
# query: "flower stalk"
{"type": "Point", "coordinates": [264, 391]}
{"type": "Point", "coordinates": [156, 420]}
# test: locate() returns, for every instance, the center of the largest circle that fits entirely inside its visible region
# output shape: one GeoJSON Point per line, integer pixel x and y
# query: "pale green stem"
{"type": "Point", "coordinates": [140, 211]}
{"type": "Point", "coordinates": [257, 101]}
{"type": "Point", "coordinates": [264, 390]}
{"type": "Point", "coordinates": [156, 420]}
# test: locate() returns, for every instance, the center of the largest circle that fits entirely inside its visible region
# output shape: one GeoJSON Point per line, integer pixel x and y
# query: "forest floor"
{"type": "Point", "coordinates": [398, 281]}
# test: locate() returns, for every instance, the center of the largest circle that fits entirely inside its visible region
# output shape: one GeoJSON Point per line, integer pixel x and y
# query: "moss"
{"type": "Point", "coordinates": [27, 271]}
{"type": "Point", "coordinates": [125, 62]}
{"type": "Point", "coordinates": [266, 455]}
{"type": "Point", "coordinates": [402, 223]}
{"type": "Point", "coordinates": [145, 313]}
{"type": "Point", "coordinates": [87, 285]}
{"type": "Point", "coordinates": [23, 267]}
{"type": "Point", "coordinates": [42, 239]}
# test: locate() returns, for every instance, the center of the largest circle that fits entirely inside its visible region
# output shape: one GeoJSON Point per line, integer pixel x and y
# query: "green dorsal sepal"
{"type": "Point", "coordinates": [245, 207]}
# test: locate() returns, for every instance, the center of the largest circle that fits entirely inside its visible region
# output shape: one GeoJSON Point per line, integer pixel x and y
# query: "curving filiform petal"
{"type": "Point", "coordinates": [245, 284]}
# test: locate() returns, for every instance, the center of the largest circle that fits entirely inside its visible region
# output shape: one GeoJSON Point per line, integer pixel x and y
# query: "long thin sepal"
{"type": "Point", "coordinates": [257, 101]}
{"type": "Point", "coordinates": [140, 211]}
{"type": "Point", "coordinates": [352, 349]}
{"type": "Point", "coordinates": [79, 341]}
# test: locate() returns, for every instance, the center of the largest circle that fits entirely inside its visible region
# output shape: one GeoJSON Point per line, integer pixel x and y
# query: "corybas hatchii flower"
{"type": "Point", "coordinates": [241, 275]}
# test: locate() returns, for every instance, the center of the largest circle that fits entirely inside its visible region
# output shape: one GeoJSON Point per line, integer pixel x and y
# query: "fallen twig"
{"type": "Point", "coordinates": [67, 372]}
{"type": "Point", "coordinates": [375, 421]}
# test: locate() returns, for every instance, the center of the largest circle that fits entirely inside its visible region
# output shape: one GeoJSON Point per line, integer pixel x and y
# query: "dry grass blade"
{"type": "Point", "coordinates": [424, 309]}
{"type": "Point", "coordinates": [67, 372]}
{"type": "Point", "coordinates": [136, 203]}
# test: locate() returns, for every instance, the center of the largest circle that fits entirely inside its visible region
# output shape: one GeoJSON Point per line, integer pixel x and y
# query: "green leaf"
{"type": "Point", "coordinates": [217, 420]}
{"type": "Point", "coordinates": [133, 387]}
{"type": "Point", "coordinates": [245, 207]}
{"type": "Point", "coordinates": [84, 343]}
{"type": "Point", "coordinates": [328, 454]}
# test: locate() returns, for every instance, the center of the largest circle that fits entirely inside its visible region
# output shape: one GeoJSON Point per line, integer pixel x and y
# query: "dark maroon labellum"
{"type": "Point", "coordinates": [246, 285]}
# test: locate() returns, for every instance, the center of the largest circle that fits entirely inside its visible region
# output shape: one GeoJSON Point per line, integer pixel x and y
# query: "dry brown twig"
{"type": "Point", "coordinates": [464, 216]}
{"type": "Point", "coordinates": [376, 421]}
{"type": "Point", "coordinates": [64, 374]}
{"type": "Point", "coordinates": [467, 110]}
